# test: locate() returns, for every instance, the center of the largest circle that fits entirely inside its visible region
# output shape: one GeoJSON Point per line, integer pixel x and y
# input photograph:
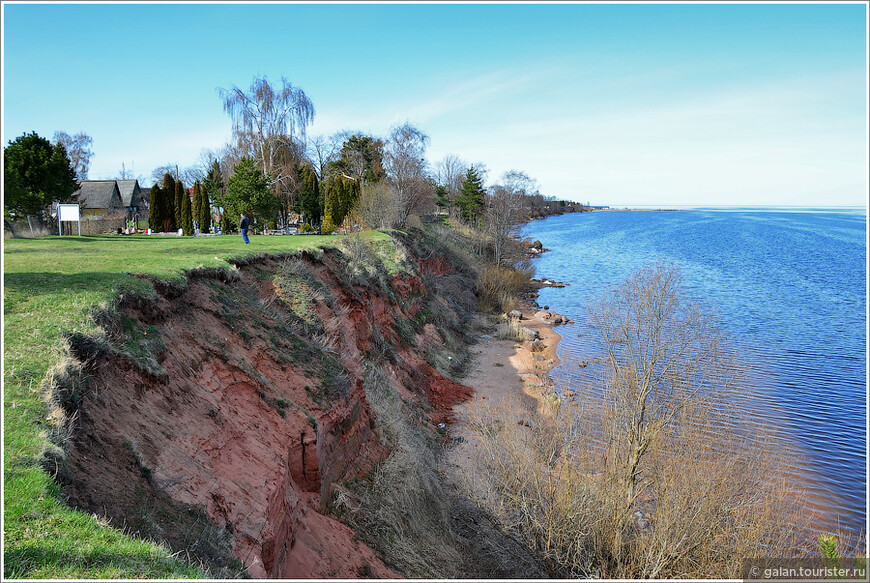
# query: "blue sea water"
{"type": "Point", "coordinates": [789, 286]}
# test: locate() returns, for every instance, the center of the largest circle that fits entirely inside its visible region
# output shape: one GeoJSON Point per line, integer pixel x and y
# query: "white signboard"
{"type": "Point", "coordinates": [68, 212]}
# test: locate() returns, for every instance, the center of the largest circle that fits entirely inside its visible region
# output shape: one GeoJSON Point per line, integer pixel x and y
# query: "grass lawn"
{"type": "Point", "coordinates": [49, 285]}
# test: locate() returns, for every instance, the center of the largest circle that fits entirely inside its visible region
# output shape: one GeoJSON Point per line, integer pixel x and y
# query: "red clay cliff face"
{"type": "Point", "coordinates": [235, 446]}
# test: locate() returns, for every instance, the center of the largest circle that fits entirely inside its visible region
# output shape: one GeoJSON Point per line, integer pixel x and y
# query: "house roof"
{"type": "Point", "coordinates": [128, 188]}
{"type": "Point", "coordinates": [97, 194]}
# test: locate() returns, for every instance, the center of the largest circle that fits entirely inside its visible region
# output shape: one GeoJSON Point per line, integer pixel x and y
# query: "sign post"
{"type": "Point", "coordinates": [68, 212]}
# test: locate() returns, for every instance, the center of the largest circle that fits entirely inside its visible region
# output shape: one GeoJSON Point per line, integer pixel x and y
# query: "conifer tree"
{"type": "Point", "coordinates": [167, 212]}
{"type": "Point", "coordinates": [204, 215]}
{"type": "Point", "coordinates": [180, 191]}
{"type": "Point", "coordinates": [197, 201]}
{"type": "Point", "coordinates": [339, 194]}
{"type": "Point", "coordinates": [471, 195]}
{"type": "Point", "coordinates": [310, 201]}
{"type": "Point", "coordinates": [154, 210]}
{"type": "Point", "coordinates": [186, 213]}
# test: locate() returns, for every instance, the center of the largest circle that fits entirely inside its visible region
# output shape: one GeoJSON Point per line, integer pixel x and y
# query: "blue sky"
{"type": "Point", "coordinates": [616, 104]}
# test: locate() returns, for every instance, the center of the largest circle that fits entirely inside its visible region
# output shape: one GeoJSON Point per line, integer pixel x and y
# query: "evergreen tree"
{"type": "Point", "coordinates": [180, 193]}
{"type": "Point", "coordinates": [156, 205]}
{"type": "Point", "coordinates": [338, 197]}
{"type": "Point", "coordinates": [248, 191]}
{"type": "Point", "coordinates": [197, 201]}
{"type": "Point", "coordinates": [167, 213]}
{"type": "Point", "coordinates": [204, 215]}
{"type": "Point", "coordinates": [471, 196]}
{"type": "Point", "coordinates": [310, 201]}
{"type": "Point", "coordinates": [186, 214]}
{"type": "Point", "coordinates": [35, 174]}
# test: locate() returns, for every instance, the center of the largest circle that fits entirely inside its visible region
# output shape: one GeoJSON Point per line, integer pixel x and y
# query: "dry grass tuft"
{"type": "Point", "coordinates": [403, 511]}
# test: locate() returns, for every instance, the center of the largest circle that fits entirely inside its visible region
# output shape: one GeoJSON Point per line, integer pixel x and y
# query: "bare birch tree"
{"type": "Point", "coordinates": [78, 150]}
{"type": "Point", "coordinates": [264, 114]}
{"type": "Point", "coordinates": [271, 123]}
{"type": "Point", "coordinates": [450, 172]}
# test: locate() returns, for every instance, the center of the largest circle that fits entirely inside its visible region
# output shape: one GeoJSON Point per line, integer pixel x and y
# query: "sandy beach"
{"type": "Point", "coordinates": [506, 374]}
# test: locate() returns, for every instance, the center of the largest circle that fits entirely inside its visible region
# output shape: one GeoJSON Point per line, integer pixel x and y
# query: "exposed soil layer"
{"type": "Point", "coordinates": [219, 416]}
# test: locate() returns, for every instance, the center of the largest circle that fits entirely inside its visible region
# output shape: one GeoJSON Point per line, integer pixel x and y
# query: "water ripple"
{"type": "Point", "coordinates": [788, 287]}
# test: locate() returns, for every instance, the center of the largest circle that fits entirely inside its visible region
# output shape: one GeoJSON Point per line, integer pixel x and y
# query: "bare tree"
{"type": "Point", "coordinates": [264, 114]}
{"type": "Point", "coordinates": [187, 174]}
{"type": "Point", "coordinates": [406, 167]}
{"type": "Point", "coordinates": [322, 150]}
{"type": "Point", "coordinates": [450, 172]}
{"type": "Point", "coordinates": [519, 182]}
{"type": "Point", "coordinates": [654, 471]}
{"type": "Point", "coordinates": [78, 150]}
{"type": "Point", "coordinates": [662, 355]}
{"type": "Point", "coordinates": [376, 206]}
{"type": "Point", "coordinates": [505, 210]}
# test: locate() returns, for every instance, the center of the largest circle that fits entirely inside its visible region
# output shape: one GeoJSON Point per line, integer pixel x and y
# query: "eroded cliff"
{"type": "Point", "coordinates": [222, 416]}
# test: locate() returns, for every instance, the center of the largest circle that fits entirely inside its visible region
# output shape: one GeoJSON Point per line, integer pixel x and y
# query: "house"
{"type": "Point", "coordinates": [131, 196]}
{"type": "Point", "coordinates": [98, 198]}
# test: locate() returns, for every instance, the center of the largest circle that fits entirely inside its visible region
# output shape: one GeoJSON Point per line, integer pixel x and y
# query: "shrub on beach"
{"type": "Point", "coordinates": [499, 286]}
{"type": "Point", "coordinates": [652, 471]}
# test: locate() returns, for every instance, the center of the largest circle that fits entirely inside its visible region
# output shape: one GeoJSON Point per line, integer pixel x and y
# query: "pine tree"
{"type": "Point", "coordinates": [248, 191]}
{"type": "Point", "coordinates": [470, 199]}
{"type": "Point", "coordinates": [186, 214]}
{"type": "Point", "coordinates": [156, 204]}
{"type": "Point", "coordinates": [167, 212]}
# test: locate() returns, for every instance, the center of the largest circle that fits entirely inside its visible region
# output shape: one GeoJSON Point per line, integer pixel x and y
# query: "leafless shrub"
{"type": "Point", "coordinates": [376, 205]}
{"type": "Point", "coordinates": [498, 287]}
{"type": "Point", "coordinates": [652, 472]}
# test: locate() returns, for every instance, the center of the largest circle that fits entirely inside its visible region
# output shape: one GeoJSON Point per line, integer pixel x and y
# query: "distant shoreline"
{"type": "Point", "coordinates": [738, 208]}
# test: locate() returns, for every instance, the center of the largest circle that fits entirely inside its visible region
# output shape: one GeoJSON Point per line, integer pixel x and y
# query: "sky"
{"type": "Point", "coordinates": [613, 104]}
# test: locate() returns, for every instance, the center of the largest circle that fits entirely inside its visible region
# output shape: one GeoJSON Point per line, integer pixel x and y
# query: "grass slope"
{"type": "Point", "coordinates": [49, 286]}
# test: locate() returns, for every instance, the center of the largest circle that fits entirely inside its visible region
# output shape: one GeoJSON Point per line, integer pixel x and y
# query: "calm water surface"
{"type": "Point", "coordinates": [788, 286]}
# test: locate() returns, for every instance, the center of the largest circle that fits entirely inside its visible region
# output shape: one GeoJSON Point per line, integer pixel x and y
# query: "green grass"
{"type": "Point", "coordinates": [50, 284]}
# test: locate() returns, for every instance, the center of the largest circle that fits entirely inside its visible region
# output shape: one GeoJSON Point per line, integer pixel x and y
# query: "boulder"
{"type": "Point", "coordinates": [537, 346]}
{"type": "Point", "coordinates": [528, 335]}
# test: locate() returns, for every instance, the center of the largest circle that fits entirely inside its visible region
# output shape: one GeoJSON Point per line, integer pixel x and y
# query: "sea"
{"type": "Point", "coordinates": [789, 288]}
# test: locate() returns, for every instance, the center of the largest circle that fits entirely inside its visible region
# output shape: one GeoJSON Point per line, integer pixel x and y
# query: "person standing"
{"type": "Point", "coordinates": [243, 225]}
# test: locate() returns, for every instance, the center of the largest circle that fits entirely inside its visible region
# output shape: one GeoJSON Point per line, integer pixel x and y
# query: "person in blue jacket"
{"type": "Point", "coordinates": [243, 225]}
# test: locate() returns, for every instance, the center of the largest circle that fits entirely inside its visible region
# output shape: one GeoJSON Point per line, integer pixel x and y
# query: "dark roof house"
{"type": "Point", "coordinates": [131, 195]}
{"type": "Point", "coordinates": [98, 197]}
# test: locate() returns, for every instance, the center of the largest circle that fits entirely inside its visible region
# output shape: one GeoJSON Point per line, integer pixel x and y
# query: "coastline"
{"type": "Point", "coordinates": [508, 376]}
